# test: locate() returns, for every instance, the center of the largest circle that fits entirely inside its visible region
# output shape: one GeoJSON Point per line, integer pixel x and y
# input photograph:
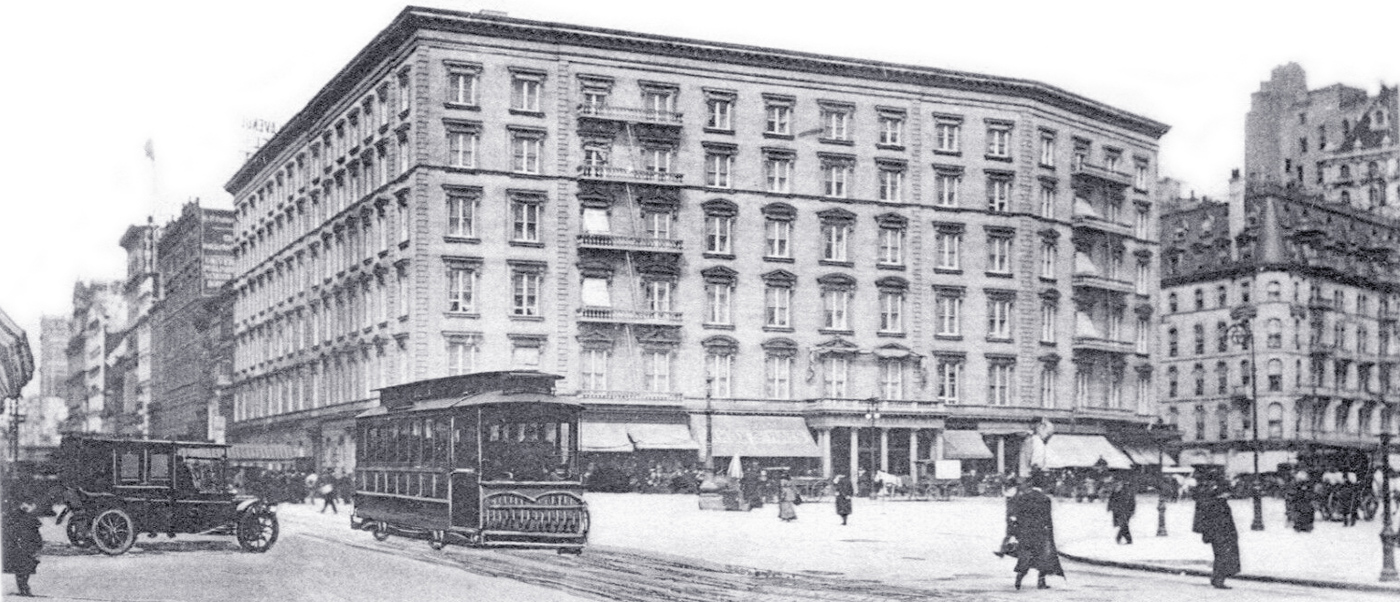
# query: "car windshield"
{"type": "Point", "coordinates": [202, 469]}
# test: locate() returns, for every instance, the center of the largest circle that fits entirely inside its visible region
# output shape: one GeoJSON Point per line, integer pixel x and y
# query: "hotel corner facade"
{"type": "Point", "coordinates": [822, 257]}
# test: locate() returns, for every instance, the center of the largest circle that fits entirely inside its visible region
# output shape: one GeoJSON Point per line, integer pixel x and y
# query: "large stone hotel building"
{"type": "Point", "coordinates": [827, 258]}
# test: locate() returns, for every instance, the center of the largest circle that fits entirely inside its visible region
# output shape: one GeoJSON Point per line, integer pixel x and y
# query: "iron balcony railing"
{"type": "Point", "coordinates": [613, 241]}
{"type": "Point", "coordinates": [612, 314]}
{"type": "Point", "coordinates": [630, 114]}
{"type": "Point", "coordinates": [623, 174]}
{"type": "Point", "coordinates": [1099, 172]}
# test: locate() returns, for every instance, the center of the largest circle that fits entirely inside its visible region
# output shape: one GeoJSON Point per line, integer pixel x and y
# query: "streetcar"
{"type": "Point", "coordinates": [488, 459]}
{"type": "Point", "coordinates": [118, 488]}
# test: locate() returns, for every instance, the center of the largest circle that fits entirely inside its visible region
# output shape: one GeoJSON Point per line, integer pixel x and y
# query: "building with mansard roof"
{"type": "Point", "coordinates": [835, 262]}
{"type": "Point", "coordinates": [1286, 298]}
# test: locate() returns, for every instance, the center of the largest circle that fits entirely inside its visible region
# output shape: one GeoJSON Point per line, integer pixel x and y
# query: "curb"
{"type": "Point", "coordinates": [1154, 568]}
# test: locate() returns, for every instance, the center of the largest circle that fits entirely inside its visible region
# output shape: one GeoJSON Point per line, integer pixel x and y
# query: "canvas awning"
{"type": "Point", "coordinates": [263, 452]}
{"type": "Point", "coordinates": [661, 436]}
{"type": "Point", "coordinates": [762, 436]}
{"type": "Point", "coordinates": [1083, 451]}
{"type": "Point", "coordinates": [1243, 462]}
{"type": "Point", "coordinates": [16, 361]}
{"type": "Point", "coordinates": [595, 436]}
{"type": "Point", "coordinates": [1147, 455]}
{"type": "Point", "coordinates": [965, 445]}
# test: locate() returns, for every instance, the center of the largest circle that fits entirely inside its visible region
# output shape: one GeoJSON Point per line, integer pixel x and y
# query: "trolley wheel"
{"type": "Point", "coordinates": [257, 529]}
{"type": "Point", "coordinates": [113, 532]}
{"type": "Point", "coordinates": [381, 532]}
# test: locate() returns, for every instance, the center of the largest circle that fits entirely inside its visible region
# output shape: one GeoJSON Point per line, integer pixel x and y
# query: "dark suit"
{"type": "Point", "coordinates": [1122, 504]}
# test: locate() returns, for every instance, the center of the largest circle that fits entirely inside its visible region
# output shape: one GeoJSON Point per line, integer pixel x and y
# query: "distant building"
{"type": "Point", "coordinates": [889, 263]}
{"type": "Point", "coordinates": [1337, 141]}
{"type": "Point", "coordinates": [129, 349]}
{"type": "Point", "coordinates": [195, 259]}
{"type": "Point", "coordinates": [99, 315]}
{"type": "Point", "coordinates": [1316, 282]}
{"type": "Point", "coordinates": [54, 332]}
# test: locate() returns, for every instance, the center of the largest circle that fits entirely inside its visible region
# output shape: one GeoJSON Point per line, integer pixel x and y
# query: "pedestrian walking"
{"type": "Point", "coordinates": [1216, 525]}
{"type": "Point", "coordinates": [844, 491]}
{"type": "Point", "coordinates": [787, 500]}
{"type": "Point", "coordinates": [1300, 502]}
{"type": "Point", "coordinates": [312, 489]}
{"type": "Point", "coordinates": [1349, 494]}
{"type": "Point", "coordinates": [328, 494]}
{"type": "Point", "coordinates": [22, 542]}
{"type": "Point", "coordinates": [1122, 503]}
{"type": "Point", "coordinates": [1034, 529]}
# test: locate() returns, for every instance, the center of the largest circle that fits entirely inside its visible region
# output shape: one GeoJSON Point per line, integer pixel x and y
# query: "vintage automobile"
{"type": "Point", "coordinates": [118, 488]}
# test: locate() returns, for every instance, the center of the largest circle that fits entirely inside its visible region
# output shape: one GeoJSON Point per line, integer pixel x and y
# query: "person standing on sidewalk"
{"type": "Point", "coordinates": [1034, 529]}
{"type": "Point", "coordinates": [22, 542]}
{"type": "Point", "coordinates": [844, 491]}
{"type": "Point", "coordinates": [1122, 503]}
{"type": "Point", "coordinates": [1216, 525]}
{"type": "Point", "coordinates": [328, 495]}
{"type": "Point", "coordinates": [787, 500]}
{"type": "Point", "coordinates": [1349, 493]}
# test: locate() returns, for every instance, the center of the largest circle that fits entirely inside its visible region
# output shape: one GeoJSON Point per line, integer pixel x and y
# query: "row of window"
{"type": "Point", "coordinates": [1315, 421]}
{"type": "Point", "coordinates": [1273, 291]}
{"type": "Point", "coordinates": [1344, 375]}
{"type": "Point", "coordinates": [1273, 337]}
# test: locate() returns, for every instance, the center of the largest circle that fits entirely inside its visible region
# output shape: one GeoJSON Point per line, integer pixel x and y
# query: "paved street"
{"type": "Point", "coordinates": [652, 547]}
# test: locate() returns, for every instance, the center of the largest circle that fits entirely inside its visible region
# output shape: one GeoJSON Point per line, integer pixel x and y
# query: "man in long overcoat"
{"type": "Point", "coordinates": [844, 491]}
{"type": "Point", "coordinates": [1034, 529]}
{"type": "Point", "coordinates": [21, 542]}
{"type": "Point", "coordinates": [1216, 525]}
{"type": "Point", "coordinates": [1122, 503]}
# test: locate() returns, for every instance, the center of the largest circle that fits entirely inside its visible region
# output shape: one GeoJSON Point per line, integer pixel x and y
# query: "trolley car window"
{"type": "Point", "coordinates": [527, 448]}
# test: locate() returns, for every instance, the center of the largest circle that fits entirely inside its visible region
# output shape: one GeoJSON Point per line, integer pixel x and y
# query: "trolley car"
{"type": "Point", "coordinates": [485, 459]}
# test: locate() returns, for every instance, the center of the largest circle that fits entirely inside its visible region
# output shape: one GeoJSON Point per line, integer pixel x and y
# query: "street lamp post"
{"type": "Point", "coordinates": [709, 426]}
{"type": "Point", "coordinates": [1242, 332]}
{"type": "Point", "coordinates": [1387, 534]}
{"type": "Point", "coordinates": [872, 415]}
{"type": "Point", "coordinates": [1160, 439]}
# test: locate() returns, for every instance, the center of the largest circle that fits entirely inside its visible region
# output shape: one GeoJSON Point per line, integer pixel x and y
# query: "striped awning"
{"type": "Point", "coordinates": [647, 435]}
{"type": "Point", "coordinates": [763, 437]}
{"type": "Point", "coordinates": [1083, 451]}
{"type": "Point", "coordinates": [598, 436]}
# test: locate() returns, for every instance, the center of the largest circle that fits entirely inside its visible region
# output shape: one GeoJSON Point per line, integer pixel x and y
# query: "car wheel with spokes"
{"type": "Point", "coordinates": [257, 529]}
{"type": "Point", "coordinates": [113, 531]}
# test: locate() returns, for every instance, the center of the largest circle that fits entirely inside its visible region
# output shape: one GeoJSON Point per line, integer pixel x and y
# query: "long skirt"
{"type": "Point", "coordinates": [843, 505]}
{"type": "Point", "coordinates": [1227, 558]}
{"type": "Point", "coordinates": [787, 511]}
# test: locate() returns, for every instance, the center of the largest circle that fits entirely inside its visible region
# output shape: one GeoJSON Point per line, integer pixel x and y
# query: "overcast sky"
{"type": "Point", "coordinates": [90, 81]}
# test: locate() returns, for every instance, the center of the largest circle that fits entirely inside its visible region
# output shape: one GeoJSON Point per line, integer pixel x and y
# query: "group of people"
{"type": "Point", "coordinates": [1030, 529]}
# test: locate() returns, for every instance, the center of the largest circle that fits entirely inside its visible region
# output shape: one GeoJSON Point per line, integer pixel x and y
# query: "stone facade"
{"type": "Point", "coordinates": [669, 222]}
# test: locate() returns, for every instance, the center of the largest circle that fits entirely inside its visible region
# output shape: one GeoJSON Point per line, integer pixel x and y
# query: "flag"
{"type": "Point", "coordinates": [150, 149]}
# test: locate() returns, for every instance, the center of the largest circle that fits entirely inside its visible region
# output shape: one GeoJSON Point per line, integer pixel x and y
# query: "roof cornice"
{"type": "Point", "coordinates": [413, 19]}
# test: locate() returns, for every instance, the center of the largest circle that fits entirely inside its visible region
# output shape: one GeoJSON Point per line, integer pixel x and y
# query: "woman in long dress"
{"type": "Point", "coordinates": [787, 500]}
{"type": "Point", "coordinates": [1034, 528]}
{"type": "Point", "coordinates": [844, 491]}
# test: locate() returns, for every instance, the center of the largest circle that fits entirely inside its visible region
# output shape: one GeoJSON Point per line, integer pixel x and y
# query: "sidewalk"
{"type": "Point", "coordinates": [1330, 556]}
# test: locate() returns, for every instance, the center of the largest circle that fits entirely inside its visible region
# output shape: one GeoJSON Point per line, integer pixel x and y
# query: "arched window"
{"type": "Point", "coordinates": [1171, 382]}
{"type": "Point", "coordinates": [1274, 290]}
{"type": "Point", "coordinates": [1198, 332]}
{"type": "Point", "coordinates": [1245, 373]}
{"type": "Point", "coordinates": [1222, 337]}
{"type": "Point", "coordinates": [1344, 173]}
{"type": "Point", "coordinates": [1200, 422]}
{"type": "Point", "coordinates": [1339, 418]}
{"type": "Point", "coordinates": [1346, 197]}
{"type": "Point", "coordinates": [1372, 170]}
{"type": "Point", "coordinates": [1274, 330]}
{"type": "Point", "coordinates": [1222, 378]}
{"type": "Point", "coordinates": [1275, 375]}
{"type": "Point", "coordinates": [1198, 377]}
{"type": "Point", "coordinates": [1275, 420]}
{"type": "Point", "coordinates": [1222, 418]}
{"type": "Point", "coordinates": [1200, 296]}
{"type": "Point", "coordinates": [1171, 342]}
{"type": "Point", "coordinates": [1171, 303]}
{"type": "Point", "coordinates": [1222, 295]}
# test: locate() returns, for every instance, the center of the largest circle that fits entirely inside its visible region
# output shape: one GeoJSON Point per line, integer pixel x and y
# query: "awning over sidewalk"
{"type": "Point", "coordinates": [595, 436]}
{"type": "Point", "coordinates": [661, 436]}
{"type": "Point", "coordinates": [272, 452]}
{"type": "Point", "coordinates": [965, 445]}
{"type": "Point", "coordinates": [762, 436]}
{"type": "Point", "coordinates": [1083, 451]}
{"type": "Point", "coordinates": [1243, 462]}
{"type": "Point", "coordinates": [1147, 455]}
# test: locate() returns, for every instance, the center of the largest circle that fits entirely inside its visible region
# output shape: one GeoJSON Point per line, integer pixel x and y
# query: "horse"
{"type": "Point", "coordinates": [887, 485]}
